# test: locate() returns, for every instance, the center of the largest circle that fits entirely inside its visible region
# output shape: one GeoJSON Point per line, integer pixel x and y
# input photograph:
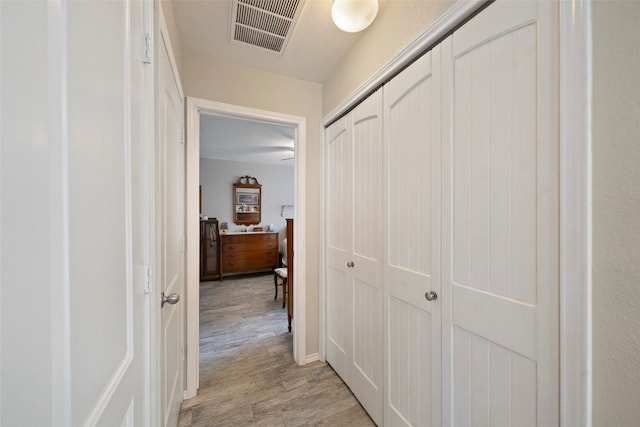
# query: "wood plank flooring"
{"type": "Point", "coordinates": [247, 373]}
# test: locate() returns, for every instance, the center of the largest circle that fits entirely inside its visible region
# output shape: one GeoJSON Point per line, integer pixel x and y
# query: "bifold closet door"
{"type": "Point", "coordinates": [354, 252]}
{"type": "Point", "coordinates": [501, 212]}
{"type": "Point", "coordinates": [412, 182]}
{"type": "Point", "coordinates": [338, 247]}
{"type": "Point", "coordinates": [366, 267]}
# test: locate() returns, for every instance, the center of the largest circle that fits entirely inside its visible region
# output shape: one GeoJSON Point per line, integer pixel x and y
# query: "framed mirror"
{"type": "Point", "coordinates": [247, 201]}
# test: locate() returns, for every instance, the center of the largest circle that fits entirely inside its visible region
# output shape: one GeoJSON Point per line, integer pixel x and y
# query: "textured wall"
{"type": "Point", "coordinates": [616, 213]}
{"type": "Point", "coordinates": [399, 22]}
{"type": "Point", "coordinates": [214, 80]}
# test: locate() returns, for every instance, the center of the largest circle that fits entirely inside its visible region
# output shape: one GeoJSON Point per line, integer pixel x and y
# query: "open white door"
{"type": "Point", "coordinates": [107, 202]}
{"type": "Point", "coordinates": [75, 208]}
{"type": "Point", "coordinates": [170, 176]}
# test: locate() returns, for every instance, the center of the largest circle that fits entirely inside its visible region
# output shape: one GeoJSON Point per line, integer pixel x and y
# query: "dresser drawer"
{"type": "Point", "coordinates": [242, 265]}
{"type": "Point", "coordinates": [250, 238]}
{"type": "Point", "coordinates": [249, 246]}
{"type": "Point", "coordinates": [250, 254]}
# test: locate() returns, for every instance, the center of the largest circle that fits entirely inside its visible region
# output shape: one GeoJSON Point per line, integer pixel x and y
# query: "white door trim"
{"type": "Point", "coordinates": [575, 213]}
{"type": "Point", "coordinates": [575, 191]}
{"type": "Point", "coordinates": [58, 216]}
{"type": "Point", "coordinates": [195, 107]}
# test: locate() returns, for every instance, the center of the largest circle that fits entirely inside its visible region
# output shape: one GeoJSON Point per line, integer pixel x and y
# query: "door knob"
{"type": "Point", "coordinates": [431, 296]}
{"type": "Point", "coordinates": [171, 299]}
{"type": "Point", "coordinates": [350, 264]}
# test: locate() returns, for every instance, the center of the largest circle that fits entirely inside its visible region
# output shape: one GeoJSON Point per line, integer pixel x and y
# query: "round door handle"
{"type": "Point", "coordinates": [431, 296]}
{"type": "Point", "coordinates": [350, 264]}
{"type": "Point", "coordinates": [171, 299]}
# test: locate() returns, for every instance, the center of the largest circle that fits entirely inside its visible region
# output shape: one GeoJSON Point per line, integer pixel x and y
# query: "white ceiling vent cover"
{"type": "Point", "coordinates": [267, 24]}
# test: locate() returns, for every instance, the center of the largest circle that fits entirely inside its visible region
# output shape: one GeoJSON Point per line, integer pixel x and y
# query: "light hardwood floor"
{"type": "Point", "coordinates": [247, 373]}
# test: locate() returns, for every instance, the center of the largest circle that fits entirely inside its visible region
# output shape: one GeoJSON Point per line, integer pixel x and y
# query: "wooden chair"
{"type": "Point", "coordinates": [280, 273]}
{"type": "Point", "coordinates": [285, 273]}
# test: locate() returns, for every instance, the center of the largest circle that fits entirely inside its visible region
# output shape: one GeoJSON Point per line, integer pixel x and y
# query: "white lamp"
{"type": "Point", "coordinates": [354, 15]}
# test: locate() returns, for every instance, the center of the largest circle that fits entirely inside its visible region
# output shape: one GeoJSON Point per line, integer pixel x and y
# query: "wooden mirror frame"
{"type": "Point", "coordinates": [247, 201]}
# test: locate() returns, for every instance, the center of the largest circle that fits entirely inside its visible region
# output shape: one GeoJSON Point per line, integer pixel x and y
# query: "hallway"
{"type": "Point", "coordinates": [247, 373]}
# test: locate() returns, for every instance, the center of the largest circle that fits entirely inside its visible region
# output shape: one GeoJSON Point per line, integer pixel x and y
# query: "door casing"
{"type": "Point", "coordinates": [195, 107]}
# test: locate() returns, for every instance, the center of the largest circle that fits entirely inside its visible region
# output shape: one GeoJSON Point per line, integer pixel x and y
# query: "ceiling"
{"type": "Point", "coordinates": [228, 138]}
{"type": "Point", "coordinates": [314, 49]}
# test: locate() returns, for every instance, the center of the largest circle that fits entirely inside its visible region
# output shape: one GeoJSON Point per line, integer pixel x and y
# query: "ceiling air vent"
{"type": "Point", "coordinates": [264, 23]}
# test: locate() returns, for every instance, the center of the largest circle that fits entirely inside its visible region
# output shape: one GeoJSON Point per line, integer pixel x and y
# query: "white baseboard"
{"type": "Point", "coordinates": [312, 357]}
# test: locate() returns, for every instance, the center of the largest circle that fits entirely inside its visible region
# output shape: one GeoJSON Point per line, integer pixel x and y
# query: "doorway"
{"type": "Point", "coordinates": [195, 108]}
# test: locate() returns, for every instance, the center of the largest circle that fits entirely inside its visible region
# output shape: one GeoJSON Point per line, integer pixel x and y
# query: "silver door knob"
{"type": "Point", "coordinates": [171, 299]}
{"type": "Point", "coordinates": [350, 264]}
{"type": "Point", "coordinates": [431, 296]}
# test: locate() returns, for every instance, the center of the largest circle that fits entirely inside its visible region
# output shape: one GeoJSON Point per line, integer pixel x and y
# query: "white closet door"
{"type": "Point", "coordinates": [501, 253]}
{"type": "Point", "coordinates": [412, 144]}
{"type": "Point", "coordinates": [354, 252]}
{"type": "Point", "coordinates": [338, 247]}
{"type": "Point", "coordinates": [367, 357]}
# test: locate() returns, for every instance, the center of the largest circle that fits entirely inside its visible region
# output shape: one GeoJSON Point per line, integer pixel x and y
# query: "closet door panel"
{"type": "Point", "coordinates": [412, 129]}
{"type": "Point", "coordinates": [504, 218]}
{"type": "Point", "coordinates": [409, 119]}
{"type": "Point", "coordinates": [408, 378]}
{"type": "Point", "coordinates": [367, 255]}
{"type": "Point", "coordinates": [367, 178]}
{"type": "Point", "coordinates": [338, 248]}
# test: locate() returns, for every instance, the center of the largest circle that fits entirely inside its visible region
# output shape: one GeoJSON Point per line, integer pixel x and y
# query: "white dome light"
{"type": "Point", "coordinates": [354, 15]}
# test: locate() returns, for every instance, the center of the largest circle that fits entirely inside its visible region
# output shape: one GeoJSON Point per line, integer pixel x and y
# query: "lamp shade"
{"type": "Point", "coordinates": [354, 15]}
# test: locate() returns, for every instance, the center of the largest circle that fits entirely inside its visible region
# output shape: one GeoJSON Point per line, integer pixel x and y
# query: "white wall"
{"type": "Point", "coordinates": [211, 79]}
{"type": "Point", "coordinates": [218, 176]}
{"type": "Point", "coordinates": [174, 35]}
{"type": "Point", "coordinates": [28, 284]}
{"type": "Point", "coordinates": [398, 24]}
{"type": "Point", "coordinates": [616, 213]}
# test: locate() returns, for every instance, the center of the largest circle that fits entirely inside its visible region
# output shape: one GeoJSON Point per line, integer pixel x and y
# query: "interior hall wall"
{"type": "Point", "coordinates": [30, 378]}
{"type": "Point", "coordinates": [214, 80]}
{"type": "Point", "coordinates": [616, 213]}
{"type": "Point", "coordinates": [174, 35]}
{"type": "Point", "coordinates": [218, 176]}
{"type": "Point", "coordinates": [397, 25]}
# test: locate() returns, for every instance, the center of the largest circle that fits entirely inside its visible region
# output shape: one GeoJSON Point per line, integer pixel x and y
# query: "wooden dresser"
{"type": "Point", "coordinates": [244, 252]}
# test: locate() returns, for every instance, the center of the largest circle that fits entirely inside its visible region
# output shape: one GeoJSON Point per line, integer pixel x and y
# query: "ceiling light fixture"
{"type": "Point", "coordinates": [354, 15]}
